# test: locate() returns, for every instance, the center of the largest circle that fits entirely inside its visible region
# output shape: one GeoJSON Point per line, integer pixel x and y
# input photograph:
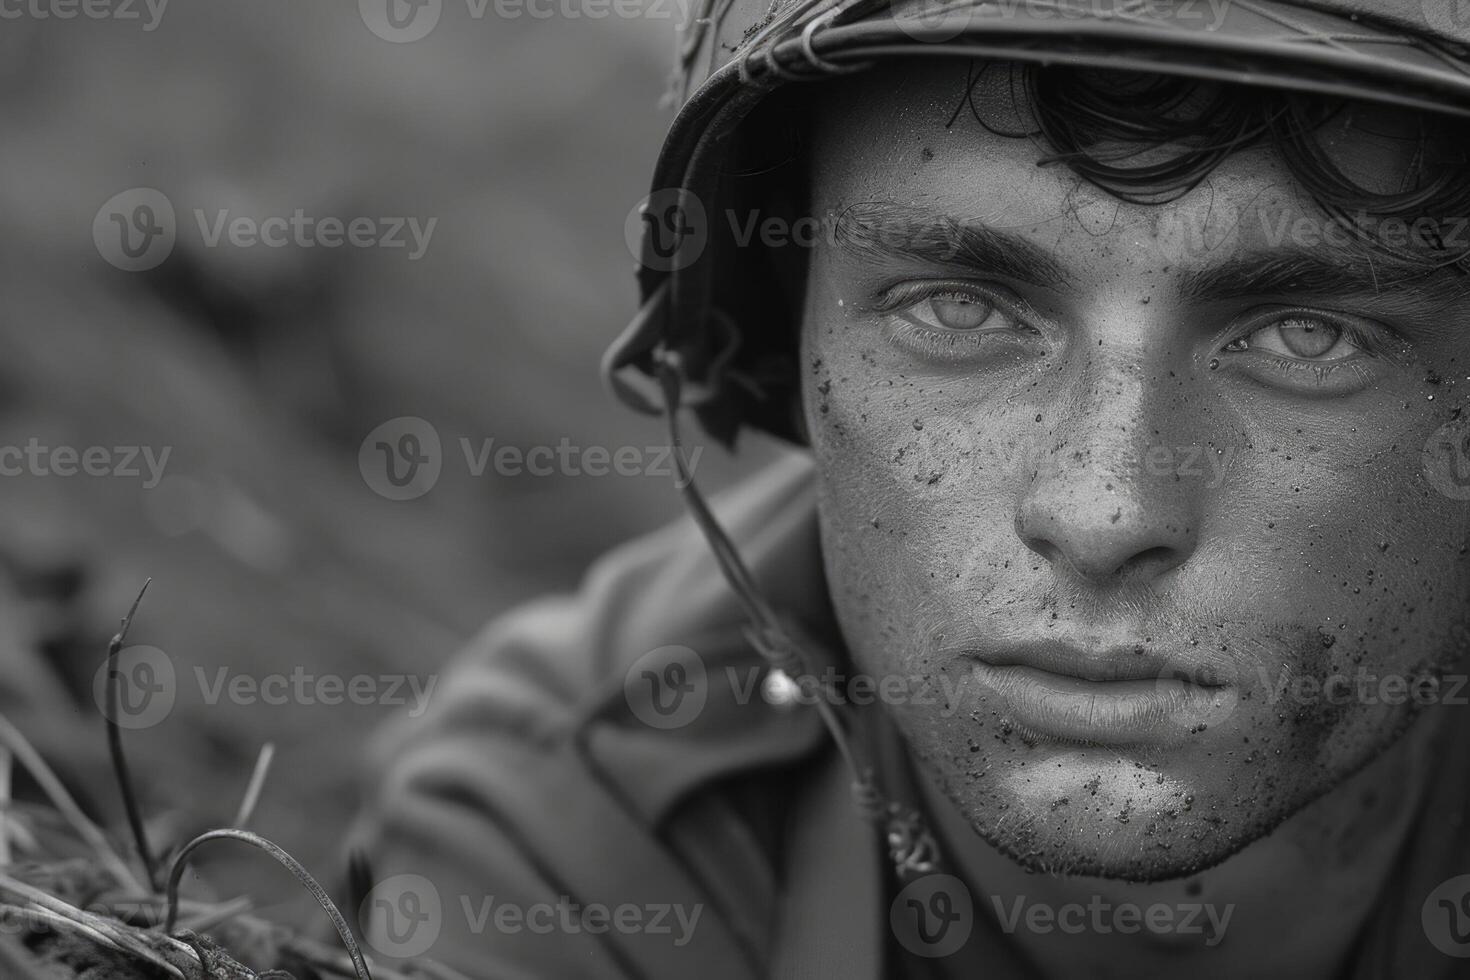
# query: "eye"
{"type": "Point", "coordinates": [1304, 337]}
{"type": "Point", "coordinates": [1314, 353]}
{"type": "Point", "coordinates": [952, 310]}
{"type": "Point", "coordinates": [952, 321]}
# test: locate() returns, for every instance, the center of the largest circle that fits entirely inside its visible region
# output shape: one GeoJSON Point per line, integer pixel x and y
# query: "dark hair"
{"type": "Point", "coordinates": [1099, 122]}
{"type": "Point", "coordinates": [1143, 137]}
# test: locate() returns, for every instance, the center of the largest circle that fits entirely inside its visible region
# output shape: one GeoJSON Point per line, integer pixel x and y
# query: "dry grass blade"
{"type": "Point", "coordinates": [45, 900]}
{"type": "Point", "coordinates": [194, 916]}
{"type": "Point", "coordinates": [118, 934]}
{"type": "Point", "coordinates": [256, 784]}
{"type": "Point", "coordinates": [115, 933]}
{"type": "Point", "coordinates": [18, 834]}
{"type": "Point", "coordinates": [359, 965]}
{"type": "Point", "coordinates": [208, 917]}
{"type": "Point", "coordinates": [331, 961]}
{"type": "Point", "coordinates": [27, 756]}
{"type": "Point", "coordinates": [31, 913]}
{"type": "Point", "coordinates": [114, 744]}
{"type": "Point", "coordinates": [110, 940]}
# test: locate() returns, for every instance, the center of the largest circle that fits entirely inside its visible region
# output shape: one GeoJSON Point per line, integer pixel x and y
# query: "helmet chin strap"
{"type": "Point", "coordinates": [911, 845]}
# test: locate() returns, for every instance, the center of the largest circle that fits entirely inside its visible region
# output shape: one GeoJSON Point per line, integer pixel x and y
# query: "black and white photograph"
{"type": "Point", "coordinates": [735, 489]}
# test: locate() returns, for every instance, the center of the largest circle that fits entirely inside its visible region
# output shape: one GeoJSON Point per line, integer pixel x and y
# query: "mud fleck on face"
{"type": "Point", "coordinates": [1113, 489]}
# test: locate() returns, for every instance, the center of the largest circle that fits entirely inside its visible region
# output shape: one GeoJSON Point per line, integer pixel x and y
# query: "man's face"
{"type": "Point", "coordinates": [1136, 489]}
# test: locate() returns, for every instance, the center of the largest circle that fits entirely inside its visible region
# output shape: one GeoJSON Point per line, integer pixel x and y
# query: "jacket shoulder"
{"type": "Point", "coordinates": [564, 753]}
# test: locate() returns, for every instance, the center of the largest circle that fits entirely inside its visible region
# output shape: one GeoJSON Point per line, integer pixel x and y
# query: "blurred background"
{"type": "Point", "coordinates": [260, 370]}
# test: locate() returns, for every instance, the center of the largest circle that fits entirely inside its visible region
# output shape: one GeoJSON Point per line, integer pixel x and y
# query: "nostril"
{"type": "Point", "coordinates": [1109, 564]}
{"type": "Point", "coordinates": [1102, 550]}
{"type": "Point", "coordinates": [1035, 538]}
{"type": "Point", "coordinates": [1105, 532]}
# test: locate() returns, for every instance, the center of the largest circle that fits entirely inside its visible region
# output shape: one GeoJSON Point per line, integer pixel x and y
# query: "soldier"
{"type": "Point", "coordinates": [1108, 620]}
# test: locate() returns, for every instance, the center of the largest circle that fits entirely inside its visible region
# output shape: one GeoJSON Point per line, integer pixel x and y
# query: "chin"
{"type": "Point", "coordinates": [1140, 816]}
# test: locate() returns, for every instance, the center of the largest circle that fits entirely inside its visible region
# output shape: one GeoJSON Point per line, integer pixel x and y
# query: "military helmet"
{"type": "Point", "coordinates": [704, 303]}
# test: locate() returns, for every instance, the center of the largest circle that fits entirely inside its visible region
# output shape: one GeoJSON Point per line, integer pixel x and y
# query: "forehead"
{"type": "Point", "coordinates": [909, 134]}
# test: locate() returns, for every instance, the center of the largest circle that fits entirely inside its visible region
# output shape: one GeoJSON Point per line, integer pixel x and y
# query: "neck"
{"type": "Point", "coordinates": [1292, 904]}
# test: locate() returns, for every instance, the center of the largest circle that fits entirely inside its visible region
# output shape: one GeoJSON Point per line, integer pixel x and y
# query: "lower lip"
{"type": "Point", "coordinates": [1132, 712]}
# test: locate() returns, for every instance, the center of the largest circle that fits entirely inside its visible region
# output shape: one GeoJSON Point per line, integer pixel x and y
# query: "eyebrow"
{"type": "Point", "coordinates": [893, 232]}
{"type": "Point", "coordinates": [1327, 272]}
{"type": "Point", "coordinates": [886, 231]}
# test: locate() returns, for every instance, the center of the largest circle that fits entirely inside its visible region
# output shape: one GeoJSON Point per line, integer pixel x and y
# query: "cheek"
{"type": "Point", "coordinates": [1332, 522]}
{"type": "Point", "coordinates": [917, 503]}
{"type": "Point", "coordinates": [1329, 528]}
{"type": "Point", "coordinates": [1361, 547]}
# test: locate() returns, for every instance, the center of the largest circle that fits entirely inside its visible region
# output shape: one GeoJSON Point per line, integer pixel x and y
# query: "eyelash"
{"type": "Point", "coordinates": [1371, 343]}
{"type": "Point", "coordinates": [938, 343]}
{"type": "Point", "coordinates": [957, 346]}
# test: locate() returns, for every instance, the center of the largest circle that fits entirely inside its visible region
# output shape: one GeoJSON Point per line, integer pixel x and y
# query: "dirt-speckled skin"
{"type": "Point", "coordinates": [1316, 546]}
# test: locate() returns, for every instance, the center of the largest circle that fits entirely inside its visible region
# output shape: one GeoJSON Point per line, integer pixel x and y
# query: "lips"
{"type": "Point", "coordinates": [1103, 694]}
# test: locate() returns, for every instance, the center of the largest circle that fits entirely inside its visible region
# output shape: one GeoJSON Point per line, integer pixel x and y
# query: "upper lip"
{"type": "Point", "coordinates": [1096, 661]}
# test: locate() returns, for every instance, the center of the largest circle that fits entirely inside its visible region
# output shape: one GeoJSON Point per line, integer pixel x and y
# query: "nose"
{"type": "Point", "coordinates": [1113, 502]}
